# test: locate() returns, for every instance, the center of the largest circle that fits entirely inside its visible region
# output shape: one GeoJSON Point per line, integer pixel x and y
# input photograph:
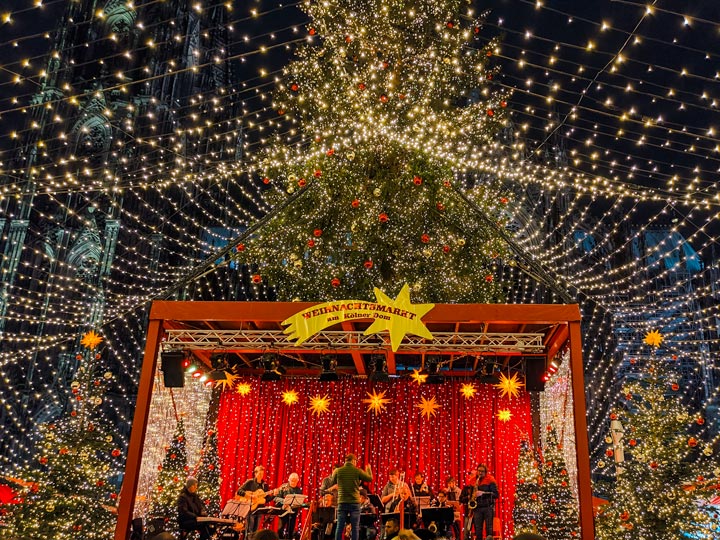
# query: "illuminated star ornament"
{"type": "Point", "coordinates": [243, 389]}
{"type": "Point", "coordinates": [91, 340]}
{"type": "Point", "coordinates": [418, 377]}
{"type": "Point", "coordinates": [428, 407]}
{"type": "Point", "coordinates": [290, 397]}
{"type": "Point", "coordinates": [376, 402]}
{"type": "Point", "coordinates": [509, 386]}
{"type": "Point", "coordinates": [228, 382]}
{"type": "Point", "coordinates": [504, 415]}
{"type": "Point", "coordinates": [468, 390]}
{"type": "Point", "coordinates": [320, 404]}
{"type": "Point", "coordinates": [653, 338]}
{"type": "Point", "coordinates": [400, 326]}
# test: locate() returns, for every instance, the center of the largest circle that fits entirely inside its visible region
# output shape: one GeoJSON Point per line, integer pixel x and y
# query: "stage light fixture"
{"type": "Point", "coordinates": [488, 371]}
{"type": "Point", "coordinates": [432, 369]}
{"type": "Point", "coordinates": [272, 367]}
{"type": "Point", "coordinates": [378, 370]}
{"type": "Point", "coordinates": [329, 369]}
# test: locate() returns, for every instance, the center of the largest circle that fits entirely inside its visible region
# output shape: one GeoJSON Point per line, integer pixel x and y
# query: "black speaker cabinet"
{"type": "Point", "coordinates": [172, 369]}
{"type": "Point", "coordinates": [534, 371]}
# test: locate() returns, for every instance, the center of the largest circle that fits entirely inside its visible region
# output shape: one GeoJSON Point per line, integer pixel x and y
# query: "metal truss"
{"type": "Point", "coordinates": [351, 341]}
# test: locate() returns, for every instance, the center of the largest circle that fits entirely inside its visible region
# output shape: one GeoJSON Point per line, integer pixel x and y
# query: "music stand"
{"type": "Point", "coordinates": [294, 500]}
{"type": "Point", "coordinates": [376, 502]}
{"type": "Point", "coordinates": [367, 520]}
{"type": "Point", "coordinates": [236, 509]}
{"type": "Point", "coordinates": [444, 515]}
{"type": "Point", "coordinates": [423, 501]}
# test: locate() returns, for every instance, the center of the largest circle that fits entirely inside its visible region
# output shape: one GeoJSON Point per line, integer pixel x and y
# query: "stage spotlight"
{"type": "Point", "coordinates": [378, 368]}
{"type": "Point", "coordinates": [272, 367]}
{"type": "Point", "coordinates": [432, 368]}
{"type": "Point", "coordinates": [487, 373]}
{"type": "Point", "coordinates": [329, 367]}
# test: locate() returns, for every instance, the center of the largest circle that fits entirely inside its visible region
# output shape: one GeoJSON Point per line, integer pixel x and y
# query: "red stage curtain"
{"type": "Point", "coordinates": [259, 428]}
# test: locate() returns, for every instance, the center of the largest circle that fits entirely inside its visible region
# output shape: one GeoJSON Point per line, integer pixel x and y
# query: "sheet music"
{"type": "Point", "coordinates": [294, 500]}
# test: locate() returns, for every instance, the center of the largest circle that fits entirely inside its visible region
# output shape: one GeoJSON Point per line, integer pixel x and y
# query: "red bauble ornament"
{"type": "Point", "coordinates": [503, 104]}
{"type": "Point", "coordinates": [628, 397]}
{"type": "Point", "coordinates": [382, 217]}
{"type": "Point", "coordinates": [401, 96]}
{"type": "Point", "coordinates": [490, 112]}
{"type": "Point", "coordinates": [633, 361]}
{"type": "Point", "coordinates": [330, 152]}
{"type": "Point", "coordinates": [43, 460]}
{"type": "Point", "coordinates": [159, 467]}
{"type": "Point", "coordinates": [348, 39]}
{"type": "Point", "coordinates": [417, 180]}
{"type": "Point", "coordinates": [613, 416]}
{"type": "Point", "coordinates": [449, 24]}
{"type": "Point", "coordinates": [311, 243]}
{"type": "Point", "coordinates": [701, 478]}
{"type": "Point", "coordinates": [446, 183]}
{"type": "Point", "coordinates": [440, 206]}
{"type": "Point", "coordinates": [281, 111]}
{"type": "Point", "coordinates": [674, 357]}
{"type": "Point", "coordinates": [361, 86]}
{"type": "Point", "coordinates": [97, 356]}
{"type": "Point", "coordinates": [116, 453]}
{"type": "Point", "coordinates": [312, 31]}
{"type": "Point", "coordinates": [75, 390]}
{"type": "Point", "coordinates": [96, 383]}
{"type": "Point", "coordinates": [176, 479]}
{"type": "Point", "coordinates": [383, 98]}
{"type": "Point", "coordinates": [368, 264]}
{"type": "Point", "coordinates": [503, 200]}
{"type": "Point", "coordinates": [302, 182]}
{"type": "Point", "coordinates": [533, 497]}
{"type": "Point", "coordinates": [79, 398]}
{"type": "Point", "coordinates": [335, 282]}
{"type": "Point", "coordinates": [257, 278]}
{"type": "Point", "coordinates": [675, 387]}
{"type": "Point", "coordinates": [488, 54]}
{"type": "Point", "coordinates": [488, 278]}
{"type": "Point", "coordinates": [240, 247]}
{"type": "Point", "coordinates": [99, 483]}
{"type": "Point", "coordinates": [78, 357]}
{"type": "Point", "coordinates": [446, 249]}
{"type": "Point", "coordinates": [425, 238]}
{"type": "Point", "coordinates": [317, 233]}
{"type": "Point", "coordinates": [266, 180]}
{"type": "Point", "coordinates": [699, 420]}
{"type": "Point", "coordinates": [692, 442]}
{"type": "Point", "coordinates": [73, 413]}
{"type": "Point", "coordinates": [113, 496]}
{"type": "Point", "coordinates": [625, 515]}
{"type": "Point", "coordinates": [317, 173]}
{"type": "Point", "coordinates": [211, 467]}
{"type": "Point", "coordinates": [294, 87]}
{"type": "Point", "coordinates": [63, 451]}
{"type": "Point", "coordinates": [563, 483]}
{"type": "Point", "coordinates": [632, 442]}
{"type": "Point", "coordinates": [355, 203]}
{"type": "Point", "coordinates": [653, 465]}
{"type": "Point", "coordinates": [609, 452]}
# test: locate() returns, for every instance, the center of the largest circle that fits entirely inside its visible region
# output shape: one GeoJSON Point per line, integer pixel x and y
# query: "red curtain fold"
{"type": "Point", "coordinates": [259, 428]}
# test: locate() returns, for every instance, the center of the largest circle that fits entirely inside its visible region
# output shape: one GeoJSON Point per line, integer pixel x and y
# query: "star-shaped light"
{"type": "Point", "coordinates": [228, 382]}
{"type": "Point", "coordinates": [418, 377]}
{"type": "Point", "coordinates": [243, 389]}
{"type": "Point", "coordinates": [428, 407]}
{"type": "Point", "coordinates": [504, 415]}
{"type": "Point", "coordinates": [320, 404]}
{"type": "Point", "coordinates": [91, 340]}
{"type": "Point", "coordinates": [468, 390]}
{"type": "Point", "coordinates": [376, 402]}
{"type": "Point", "coordinates": [290, 397]}
{"type": "Point", "coordinates": [400, 326]}
{"type": "Point", "coordinates": [509, 386]}
{"type": "Point", "coordinates": [654, 338]}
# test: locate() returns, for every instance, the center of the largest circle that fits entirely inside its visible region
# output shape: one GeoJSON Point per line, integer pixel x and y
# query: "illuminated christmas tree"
{"type": "Point", "coordinates": [70, 495]}
{"type": "Point", "coordinates": [527, 510]}
{"type": "Point", "coordinates": [208, 475]}
{"type": "Point", "coordinates": [666, 469]}
{"type": "Point", "coordinates": [388, 106]}
{"type": "Point", "coordinates": [559, 506]}
{"type": "Point", "coordinates": [171, 480]}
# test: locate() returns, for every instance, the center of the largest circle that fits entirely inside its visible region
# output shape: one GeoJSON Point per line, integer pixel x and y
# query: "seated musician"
{"type": "Point", "coordinates": [288, 520]}
{"type": "Point", "coordinates": [419, 486]}
{"type": "Point", "coordinates": [441, 501]}
{"type": "Point", "coordinates": [190, 507]}
{"type": "Point", "coordinates": [410, 508]}
{"type": "Point", "coordinates": [367, 532]}
{"type": "Point", "coordinates": [323, 520]}
{"type": "Point", "coordinates": [257, 490]}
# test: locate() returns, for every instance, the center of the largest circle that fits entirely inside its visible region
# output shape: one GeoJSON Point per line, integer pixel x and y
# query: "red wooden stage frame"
{"type": "Point", "coordinates": [560, 325]}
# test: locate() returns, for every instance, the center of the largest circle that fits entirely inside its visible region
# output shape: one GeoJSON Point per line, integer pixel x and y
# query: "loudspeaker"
{"type": "Point", "coordinates": [173, 376]}
{"type": "Point", "coordinates": [155, 527]}
{"type": "Point", "coordinates": [534, 371]}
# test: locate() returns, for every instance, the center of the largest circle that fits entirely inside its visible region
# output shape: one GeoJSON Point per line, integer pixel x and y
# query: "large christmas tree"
{"type": "Point", "coordinates": [559, 506]}
{"type": "Point", "coordinates": [527, 510]}
{"type": "Point", "coordinates": [384, 112]}
{"type": "Point", "coordinates": [666, 469]}
{"type": "Point", "coordinates": [70, 494]}
{"type": "Point", "coordinates": [170, 480]}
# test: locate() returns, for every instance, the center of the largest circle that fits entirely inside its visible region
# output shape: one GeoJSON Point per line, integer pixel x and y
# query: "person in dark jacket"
{"type": "Point", "coordinates": [190, 507]}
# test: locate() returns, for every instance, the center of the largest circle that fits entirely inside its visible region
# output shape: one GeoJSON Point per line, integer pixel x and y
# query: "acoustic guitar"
{"type": "Point", "coordinates": [255, 498]}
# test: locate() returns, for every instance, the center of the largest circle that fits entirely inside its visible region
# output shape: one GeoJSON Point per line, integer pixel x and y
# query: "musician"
{"type": "Point", "coordinates": [327, 487]}
{"type": "Point", "coordinates": [392, 528]}
{"type": "Point", "coordinates": [250, 487]}
{"type": "Point", "coordinates": [190, 507]}
{"type": "Point", "coordinates": [391, 487]}
{"type": "Point", "coordinates": [403, 494]}
{"type": "Point", "coordinates": [348, 478]}
{"type": "Point", "coordinates": [419, 487]}
{"type": "Point", "coordinates": [288, 520]}
{"type": "Point", "coordinates": [328, 501]}
{"type": "Point", "coordinates": [441, 501]}
{"type": "Point", "coordinates": [366, 507]}
{"type": "Point", "coordinates": [484, 493]}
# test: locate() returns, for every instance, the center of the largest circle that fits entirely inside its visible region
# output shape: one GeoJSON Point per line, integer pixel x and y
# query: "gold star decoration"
{"type": "Point", "coordinates": [504, 415]}
{"type": "Point", "coordinates": [243, 389]}
{"type": "Point", "coordinates": [376, 402]}
{"type": "Point", "coordinates": [228, 382]}
{"type": "Point", "coordinates": [653, 338]}
{"type": "Point", "coordinates": [509, 386]}
{"type": "Point", "coordinates": [290, 397]}
{"type": "Point", "coordinates": [320, 404]}
{"type": "Point", "coordinates": [428, 407]}
{"type": "Point", "coordinates": [91, 340]}
{"type": "Point", "coordinates": [400, 326]}
{"type": "Point", "coordinates": [418, 377]}
{"type": "Point", "coordinates": [468, 390]}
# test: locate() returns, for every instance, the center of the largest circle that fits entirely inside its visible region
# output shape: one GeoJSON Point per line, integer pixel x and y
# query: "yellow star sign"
{"type": "Point", "coordinates": [405, 320]}
{"type": "Point", "coordinates": [376, 402]}
{"type": "Point", "coordinates": [290, 397]}
{"type": "Point", "coordinates": [418, 377]}
{"type": "Point", "coordinates": [91, 340]}
{"type": "Point", "coordinates": [504, 415]}
{"type": "Point", "coordinates": [509, 386]}
{"type": "Point", "coordinates": [468, 390]}
{"type": "Point", "coordinates": [653, 338]}
{"type": "Point", "coordinates": [428, 407]}
{"type": "Point", "coordinates": [228, 382]}
{"type": "Point", "coordinates": [243, 389]}
{"type": "Point", "coordinates": [320, 404]}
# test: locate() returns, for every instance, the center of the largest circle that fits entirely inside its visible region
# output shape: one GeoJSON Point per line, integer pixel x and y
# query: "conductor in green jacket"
{"type": "Point", "coordinates": [348, 478]}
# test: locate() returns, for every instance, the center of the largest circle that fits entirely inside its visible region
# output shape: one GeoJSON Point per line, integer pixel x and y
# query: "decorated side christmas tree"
{"type": "Point", "coordinates": [70, 495]}
{"type": "Point", "coordinates": [667, 471]}
{"type": "Point", "coordinates": [559, 506]}
{"type": "Point", "coordinates": [388, 106]}
{"type": "Point", "coordinates": [527, 510]}
{"type": "Point", "coordinates": [171, 479]}
{"type": "Point", "coordinates": [208, 475]}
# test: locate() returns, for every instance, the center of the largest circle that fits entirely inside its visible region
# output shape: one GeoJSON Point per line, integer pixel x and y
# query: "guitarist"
{"type": "Point", "coordinates": [258, 492]}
